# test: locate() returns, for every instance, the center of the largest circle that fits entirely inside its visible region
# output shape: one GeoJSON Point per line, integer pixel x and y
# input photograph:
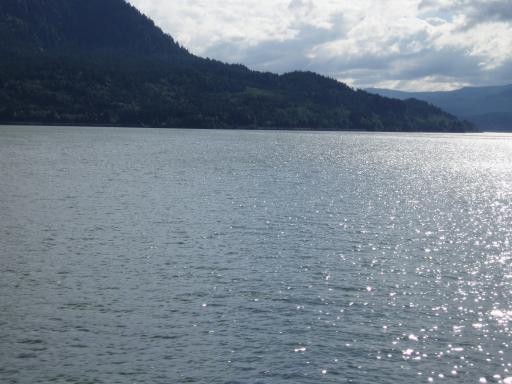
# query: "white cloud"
{"type": "Point", "coordinates": [407, 44]}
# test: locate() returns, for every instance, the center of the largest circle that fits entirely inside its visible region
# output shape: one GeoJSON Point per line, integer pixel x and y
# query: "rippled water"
{"type": "Point", "coordinates": [172, 256]}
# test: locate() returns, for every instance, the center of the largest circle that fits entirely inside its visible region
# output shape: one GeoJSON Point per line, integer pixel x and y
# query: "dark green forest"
{"type": "Point", "coordinates": [101, 62]}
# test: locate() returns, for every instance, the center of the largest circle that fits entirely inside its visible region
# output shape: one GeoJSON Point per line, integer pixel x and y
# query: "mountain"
{"type": "Point", "coordinates": [102, 62]}
{"type": "Point", "coordinates": [489, 108]}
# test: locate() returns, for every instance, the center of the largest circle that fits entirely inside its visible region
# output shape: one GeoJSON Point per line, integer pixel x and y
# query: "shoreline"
{"type": "Point", "coordinates": [241, 128]}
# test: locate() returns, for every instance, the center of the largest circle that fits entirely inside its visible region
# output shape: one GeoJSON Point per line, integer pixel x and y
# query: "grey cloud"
{"type": "Point", "coordinates": [503, 74]}
{"type": "Point", "coordinates": [297, 4]}
{"type": "Point", "coordinates": [492, 11]}
{"type": "Point", "coordinates": [477, 11]}
{"type": "Point", "coordinates": [280, 56]}
{"type": "Point", "coordinates": [446, 65]}
{"type": "Point", "coordinates": [448, 62]}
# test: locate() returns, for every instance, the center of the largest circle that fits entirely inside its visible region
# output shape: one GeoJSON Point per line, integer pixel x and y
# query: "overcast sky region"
{"type": "Point", "coordinates": [398, 44]}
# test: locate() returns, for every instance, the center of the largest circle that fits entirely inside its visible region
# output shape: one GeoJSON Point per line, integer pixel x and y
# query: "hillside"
{"type": "Point", "coordinates": [101, 62]}
{"type": "Point", "coordinates": [490, 108]}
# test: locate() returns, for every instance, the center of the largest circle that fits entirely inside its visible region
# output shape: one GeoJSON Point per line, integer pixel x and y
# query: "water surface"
{"type": "Point", "coordinates": [174, 256]}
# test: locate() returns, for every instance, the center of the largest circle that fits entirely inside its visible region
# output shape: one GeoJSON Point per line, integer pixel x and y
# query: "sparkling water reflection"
{"type": "Point", "coordinates": [157, 256]}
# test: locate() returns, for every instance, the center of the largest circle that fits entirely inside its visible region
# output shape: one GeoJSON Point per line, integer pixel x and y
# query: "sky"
{"type": "Point", "coordinates": [415, 45]}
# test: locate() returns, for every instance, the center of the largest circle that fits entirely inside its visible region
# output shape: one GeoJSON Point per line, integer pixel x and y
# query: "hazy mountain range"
{"type": "Point", "coordinates": [489, 108]}
{"type": "Point", "coordinates": [101, 62]}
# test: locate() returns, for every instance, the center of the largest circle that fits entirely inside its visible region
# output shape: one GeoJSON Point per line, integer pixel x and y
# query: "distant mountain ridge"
{"type": "Point", "coordinates": [490, 108]}
{"type": "Point", "coordinates": [102, 62]}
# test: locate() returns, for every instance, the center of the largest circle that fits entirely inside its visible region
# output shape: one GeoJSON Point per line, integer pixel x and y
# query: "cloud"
{"type": "Point", "coordinates": [475, 11]}
{"type": "Point", "coordinates": [407, 44]}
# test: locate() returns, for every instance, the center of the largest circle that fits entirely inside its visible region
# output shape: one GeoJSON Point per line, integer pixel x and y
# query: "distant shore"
{"type": "Point", "coordinates": [240, 128]}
